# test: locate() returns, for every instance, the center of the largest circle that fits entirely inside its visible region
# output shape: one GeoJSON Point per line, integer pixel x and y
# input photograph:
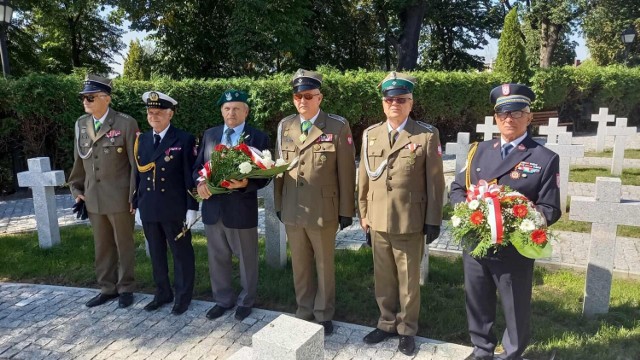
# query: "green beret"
{"type": "Point", "coordinates": [233, 95]}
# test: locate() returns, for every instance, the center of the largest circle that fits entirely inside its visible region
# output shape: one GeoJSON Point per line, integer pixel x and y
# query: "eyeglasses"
{"type": "Point", "coordinates": [512, 114]}
{"type": "Point", "coordinates": [306, 96]}
{"type": "Point", "coordinates": [398, 100]}
{"type": "Point", "coordinates": [89, 98]}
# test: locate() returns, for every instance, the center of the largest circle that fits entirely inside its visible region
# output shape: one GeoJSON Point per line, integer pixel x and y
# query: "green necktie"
{"type": "Point", "coordinates": [305, 126]}
{"type": "Point", "coordinates": [96, 125]}
{"type": "Point", "coordinates": [392, 137]}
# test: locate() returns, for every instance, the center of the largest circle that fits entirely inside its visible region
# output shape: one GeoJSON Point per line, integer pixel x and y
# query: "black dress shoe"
{"type": "Point", "coordinates": [407, 345]}
{"type": "Point", "coordinates": [242, 312]}
{"type": "Point", "coordinates": [155, 304]}
{"type": "Point", "coordinates": [328, 327]}
{"type": "Point", "coordinates": [100, 299]}
{"type": "Point", "coordinates": [216, 311]}
{"type": "Point", "coordinates": [377, 336]}
{"type": "Point", "coordinates": [126, 299]}
{"type": "Point", "coordinates": [179, 309]}
{"type": "Point", "coordinates": [477, 357]}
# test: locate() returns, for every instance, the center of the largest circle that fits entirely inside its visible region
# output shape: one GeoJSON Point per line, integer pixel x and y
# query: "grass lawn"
{"type": "Point", "coordinates": [588, 175]}
{"type": "Point", "coordinates": [557, 301]}
{"type": "Point", "coordinates": [628, 153]}
{"type": "Point", "coordinates": [564, 224]}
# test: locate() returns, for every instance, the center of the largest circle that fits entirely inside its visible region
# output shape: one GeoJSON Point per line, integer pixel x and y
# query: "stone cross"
{"type": "Point", "coordinates": [606, 211]}
{"type": "Point", "coordinates": [41, 180]}
{"type": "Point", "coordinates": [602, 118]}
{"type": "Point", "coordinates": [488, 128]}
{"type": "Point", "coordinates": [275, 235]}
{"type": "Point", "coordinates": [552, 130]}
{"type": "Point", "coordinates": [620, 132]}
{"type": "Point", "coordinates": [566, 152]}
{"type": "Point", "coordinates": [459, 149]}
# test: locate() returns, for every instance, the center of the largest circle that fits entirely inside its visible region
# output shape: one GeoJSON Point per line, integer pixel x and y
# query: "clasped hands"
{"type": "Point", "coordinates": [431, 232]}
{"type": "Point", "coordinates": [203, 190]}
{"type": "Point", "coordinates": [343, 221]}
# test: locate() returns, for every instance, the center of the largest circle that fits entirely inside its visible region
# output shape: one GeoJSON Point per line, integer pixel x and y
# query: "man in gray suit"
{"type": "Point", "coordinates": [103, 180]}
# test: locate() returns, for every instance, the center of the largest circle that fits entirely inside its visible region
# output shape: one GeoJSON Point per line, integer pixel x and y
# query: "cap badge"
{"type": "Point", "coordinates": [505, 89]}
{"type": "Point", "coordinates": [228, 96]}
{"type": "Point", "coordinates": [237, 94]}
{"type": "Point", "coordinates": [299, 80]}
{"type": "Point", "coordinates": [153, 96]}
{"type": "Point", "coordinates": [393, 83]}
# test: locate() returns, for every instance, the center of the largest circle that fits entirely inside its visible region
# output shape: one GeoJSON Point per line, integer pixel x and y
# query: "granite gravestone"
{"type": "Point", "coordinates": [459, 149]}
{"type": "Point", "coordinates": [566, 151]}
{"type": "Point", "coordinates": [488, 128]}
{"type": "Point", "coordinates": [620, 132]}
{"type": "Point", "coordinates": [602, 118]}
{"type": "Point", "coordinates": [552, 131]}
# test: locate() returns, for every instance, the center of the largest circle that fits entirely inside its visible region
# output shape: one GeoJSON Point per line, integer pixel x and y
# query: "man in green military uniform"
{"type": "Point", "coordinates": [315, 196]}
{"type": "Point", "coordinates": [103, 180]}
{"type": "Point", "coordinates": [400, 195]}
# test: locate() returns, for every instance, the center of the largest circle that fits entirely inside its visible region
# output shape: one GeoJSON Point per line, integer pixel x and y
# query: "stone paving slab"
{"type": "Point", "coordinates": [51, 322]}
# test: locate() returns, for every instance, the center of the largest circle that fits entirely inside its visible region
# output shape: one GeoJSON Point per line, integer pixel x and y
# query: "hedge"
{"type": "Point", "coordinates": [37, 112]}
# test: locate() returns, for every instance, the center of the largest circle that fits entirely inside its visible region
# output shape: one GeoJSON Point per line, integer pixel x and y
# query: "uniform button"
{"type": "Point", "coordinates": [95, 145]}
{"type": "Point", "coordinates": [161, 179]}
{"type": "Point", "coordinates": [95, 157]}
{"type": "Point", "coordinates": [97, 169]}
{"type": "Point", "coordinates": [98, 180]}
{"type": "Point", "coordinates": [301, 184]}
{"type": "Point", "coordinates": [162, 190]}
{"type": "Point", "coordinates": [302, 163]}
{"type": "Point", "coordinates": [149, 178]}
{"type": "Point", "coordinates": [389, 188]}
{"type": "Point", "coordinates": [389, 178]}
{"type": "Point", "coordinates": [390, 166]}
{"type": "Point", "coordinates": [162, 169]}
{"type": "Point", "coordinates": [148, 189]}
{"type": "Point", "coordinates": [301, 173]}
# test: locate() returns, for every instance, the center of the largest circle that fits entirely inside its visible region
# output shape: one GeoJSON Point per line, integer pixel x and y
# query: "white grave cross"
{"type": "Point", "coordinates": [566, 151]}
{"type": "Point", "coordinates": [605, 212]}
{"type": "Point", "coordinates": [488, 128]}
{"type": "Point", "coordinates": [552, 130]}
{"type": "Point", "coordinates": [41, 180]}
{"type": "Point", "coordinates": [602, 119]}
{"type": "Point", "coordinates": [620, 132]}
{"type": "Point", "coordinates": [459, 149]}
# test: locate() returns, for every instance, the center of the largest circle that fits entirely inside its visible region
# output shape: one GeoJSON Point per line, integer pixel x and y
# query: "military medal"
{"type": "Point", "coordinates": [302, 137]}
{"type": "Point", "coordinates": [316, 147]}
{"type": "Point", "coordinates": [167, 158]}
{"type": "Point", "coordinates": [515, 175]}
{"type": "Point", "coordinates": [171, 156]}
{"type": "Point", "coordinates": [83, 130]}
{"type": "Point", "coordinates": [119, 150]}
{"type": "Point", "coordinates": [323, 158]}
{"type": "Point", "coordinates": [286, 133]}
{"type": "Point", "coordinates": [112, 140]}
{"type": "Point", "coordinates": [106, 150]}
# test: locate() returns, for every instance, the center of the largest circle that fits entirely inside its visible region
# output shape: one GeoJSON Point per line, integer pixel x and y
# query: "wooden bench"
{"type": "Point", "coordinates": [542, 118]}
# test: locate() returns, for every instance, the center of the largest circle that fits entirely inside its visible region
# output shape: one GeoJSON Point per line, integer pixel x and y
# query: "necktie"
{"type": "Point", "coordinates": [506, 149]}
{"type": "Point", "coordinates": [305, 126]}
{"type": "Point", "coordinates": [96, 125]}
{"type": "Point", "coordinates": [156, 141]}
{"type": "Point", "coordinates": [392, 137]}
{"type": "Point", "coordinates": [227, 136]}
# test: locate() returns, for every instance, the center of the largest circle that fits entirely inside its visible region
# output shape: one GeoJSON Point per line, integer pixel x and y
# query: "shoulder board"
{"type": "Point", "coordinates": [374, 125]}
{"type": "Point", "coordinates": [85, 116]}
{"type": "Point", "coordinates": [338, 117]}
{"type": "Point", "coordinates": [429, 128]}
{"type": "Point", "coordinates": [123, 115]}
{"type": "Point", "coordinates": [287, 118]}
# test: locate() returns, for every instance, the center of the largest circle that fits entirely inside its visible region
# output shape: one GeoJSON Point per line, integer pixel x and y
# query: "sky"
{"type": "Point", "coordinates": [489, 52]}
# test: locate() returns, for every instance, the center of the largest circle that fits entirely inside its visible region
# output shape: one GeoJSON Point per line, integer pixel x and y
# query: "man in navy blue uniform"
{"type": "Point", "coordinates": [517, 161]}
{"type": "Point", "coordinates": [165, 157]}
{"type": "Point", "coordinates": [231, 220]}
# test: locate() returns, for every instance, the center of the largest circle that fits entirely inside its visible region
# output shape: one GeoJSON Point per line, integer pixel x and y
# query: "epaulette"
{"type": "Point", "coordinates": [338, 117]}
{"type": "Point", "coordinates": [83, 116]}
{"type": "Point", "coordinates": [287, 118]}
{"type": "Point", "coordinates": [126, 116]}
{"type": "Point", "coordinates": [429, 128]}
{"type": "Point", "coordinates": [374, 125]}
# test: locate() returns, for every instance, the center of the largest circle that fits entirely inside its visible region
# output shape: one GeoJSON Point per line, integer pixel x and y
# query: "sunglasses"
{"type": "Point", "coordinates": [305, 96]}
{"type": "Point", "coordinates": [397, 100]}
{"type": "Point", "coordinates": [89, 98]}
{"type": "Point", "coordinates": [512, 114]}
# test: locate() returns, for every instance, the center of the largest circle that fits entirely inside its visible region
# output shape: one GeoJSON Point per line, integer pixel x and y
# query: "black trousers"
{"type": "Point", "coordinates": [158, 235]}
{"type": "Point", "coordinates": [512, 275]}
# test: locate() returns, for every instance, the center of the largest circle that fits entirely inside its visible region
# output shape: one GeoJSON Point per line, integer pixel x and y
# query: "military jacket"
{"type": "Point", "coordinates": [164, 176]}
{"type": "Point", "coordinates": [401, 188]}
{"type": "Point", "coordinates": [103, 167]}
{"type": "Point", "coordinates": [320, 184]}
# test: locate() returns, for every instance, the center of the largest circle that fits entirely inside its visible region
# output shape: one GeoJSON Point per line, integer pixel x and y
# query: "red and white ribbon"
{"type": "Point", "coordinates": [482, 190]}
{"type": "Point", "coordinates": [490, 194]}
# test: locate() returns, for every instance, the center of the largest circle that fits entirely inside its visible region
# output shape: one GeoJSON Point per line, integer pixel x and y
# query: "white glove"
{"type": "Point", "coordinates": [191, 217]}
{"type": "Point", "coordinates": [138, 220]}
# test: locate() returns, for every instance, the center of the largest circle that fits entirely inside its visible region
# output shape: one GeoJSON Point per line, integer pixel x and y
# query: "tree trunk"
{"type": "Point", "coordinates": [410, 24]}
{"type": "Point", "coordinates": [549, 35]}
{"type": "Point", "coordinates": [75, 51]}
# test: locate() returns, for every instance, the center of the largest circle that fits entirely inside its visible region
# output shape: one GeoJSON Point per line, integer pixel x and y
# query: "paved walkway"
{"type": "Point", "coordinates": [51, 322]}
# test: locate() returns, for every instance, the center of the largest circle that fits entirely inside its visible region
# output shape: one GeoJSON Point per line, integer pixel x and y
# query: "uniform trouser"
{"type": "Point", "coordinates": [396, 260]}
{"type": "Point", "coordinates": [115, 251]}
{"type": "Point", "coordinates": [222, 243]}
{"type": "Point", "coordinates": [158, 235]}
{"type": "Point", "coordinates": [512, 275]}
{"type": "Point", "coordinates": [312, 252]}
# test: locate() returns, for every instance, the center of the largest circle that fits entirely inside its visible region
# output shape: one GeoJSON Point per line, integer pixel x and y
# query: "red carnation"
{"type": "Point", "coordinates": [539, 237]}
{"type": "Point", "coordinates": [244, 148]}
{"type": "Point", "coordinates": [520, 210]}
{"type": "Point", "coordinates": [477, 217]}
{"type": "Point", "coordinates": [225, 184]}
{"type": "Point", "coordinates": [220, 147]}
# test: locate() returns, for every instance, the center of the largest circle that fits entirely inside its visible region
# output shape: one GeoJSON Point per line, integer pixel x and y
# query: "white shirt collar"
{"type": "Point", "coordinates": [163, 132]}
{"type": "Point", "coordinates": [515, 142]}
{"type": "Point", "coordinates": [101, 118]}
{"type": "Point", "coordinates": [313, 119]}
{"type": "Point", "coordinates": [399, 128]}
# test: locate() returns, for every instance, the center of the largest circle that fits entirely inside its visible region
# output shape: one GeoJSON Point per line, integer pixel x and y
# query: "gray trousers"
{"type": "Point", "coordinates": [222, 243]}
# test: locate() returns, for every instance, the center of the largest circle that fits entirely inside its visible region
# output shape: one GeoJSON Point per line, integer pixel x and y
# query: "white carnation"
{"type": "Point", "coordinates": [245, 167]}
{"type": "Point", "coordinates": [455, 221]}
{"type": "Point", "coordinates": [527, 225]}
{"type": "Point", "coordinates": [280, 162]}
{"type": "Point", "coordinates": [474, 204]}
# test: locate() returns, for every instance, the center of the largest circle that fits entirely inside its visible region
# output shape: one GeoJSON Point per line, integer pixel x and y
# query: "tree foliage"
{"type": "Point", "coordinates": [511, 59]}
{"type": "Point", "coordinates": [137, 64]}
